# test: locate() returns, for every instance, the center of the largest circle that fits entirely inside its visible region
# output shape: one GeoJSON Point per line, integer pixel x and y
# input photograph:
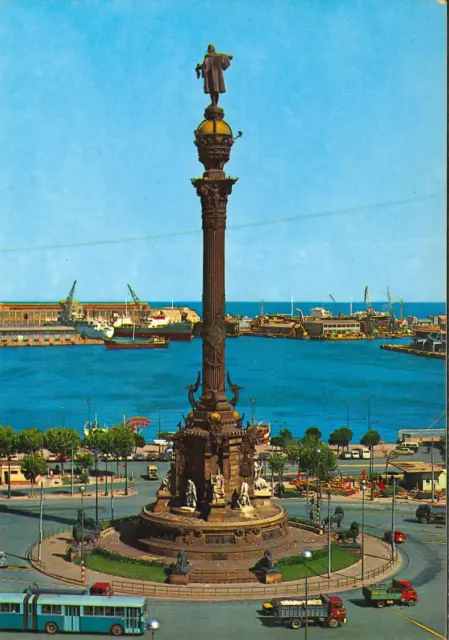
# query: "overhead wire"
{"type": "Point", "coordinates": [231, 227]}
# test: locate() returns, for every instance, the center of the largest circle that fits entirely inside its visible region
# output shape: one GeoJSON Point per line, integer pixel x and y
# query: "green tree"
{"type": "Point", "coordinates": [31, 440]}
{"type": "Point", "coordinates": [341, 438]}
{"type": "Point", "coordinates": [284, 438]}
{"type": "Point", "coordinates": [321, 460]}
{"type": "Point", "coordinates": [62, 442]}
{"type": "Point", "coordinates": [370, 439]}
{"type": "Point", "coordinates": [294, 453]}
{"type": "Point", "coordinates": [139, 440]}
{"type": "Point", "coordinates": [312, 433]}
{"type": "Point", "coordinates": [33, 465]}
{"type": "Point", "coordinates": [85, 461]}
{"type": "Point", "coordinates": [122, 444]}
{"type": "Point", "coordinates": [277, 464]}
{"type": "Point", "coordinates": [9, 443]}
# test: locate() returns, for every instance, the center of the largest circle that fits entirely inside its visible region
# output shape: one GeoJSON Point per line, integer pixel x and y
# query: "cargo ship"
{"type": "Point", "coordinates": [154, 326]}
{"type": "Point", "coordinates": [154, 342]}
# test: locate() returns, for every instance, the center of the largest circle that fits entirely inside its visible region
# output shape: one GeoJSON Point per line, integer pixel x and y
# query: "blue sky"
{"type": "Point", "coordinates": [342, 106]}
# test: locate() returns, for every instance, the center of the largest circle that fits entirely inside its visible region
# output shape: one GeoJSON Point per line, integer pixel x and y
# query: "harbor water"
{"type": "Point", "coordinates": [293, 383]}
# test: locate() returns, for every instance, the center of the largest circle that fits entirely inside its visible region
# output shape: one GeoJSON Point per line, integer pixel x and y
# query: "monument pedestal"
{"type": "Point", "coordinates": [273, 577]}
{"type": "Point", "coordinates": [217, 511]}
{"type": "Point", "coordinates": [261, 498]}
{"type": "Point", "coordinates": [162, 503]}
{"type": "Point", "coordinates": [182, 579]}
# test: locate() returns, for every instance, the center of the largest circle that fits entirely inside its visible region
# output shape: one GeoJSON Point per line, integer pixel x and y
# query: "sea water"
{"type": "Point", "coordinates": [292, 383]}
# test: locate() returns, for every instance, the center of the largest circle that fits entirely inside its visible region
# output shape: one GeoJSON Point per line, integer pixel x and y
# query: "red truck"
{"type": "Point", "coordinates": [328, 611]}
{"type": "Point", "coordinates": [396, 592]}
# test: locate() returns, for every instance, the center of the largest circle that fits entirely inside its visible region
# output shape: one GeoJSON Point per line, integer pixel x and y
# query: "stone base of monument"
{"type": "Point", "coordinates": [163, 499]}
{"type": "Point", "coordinates": [217, 511]}
{"type": "Point", "coordinates": [227, 534]}
{"type": "Point", "coordinates": [179, 578]}
{"type": "Point", "coordinates": [261, 498]}
{"type": "Point", "coordinates": [272, 577]}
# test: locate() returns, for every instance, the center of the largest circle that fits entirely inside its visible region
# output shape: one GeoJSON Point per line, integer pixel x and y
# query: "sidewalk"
{"type": "Point", "coordinates": [377, 566]}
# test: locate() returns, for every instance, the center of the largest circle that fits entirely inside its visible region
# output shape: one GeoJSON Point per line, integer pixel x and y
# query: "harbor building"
{"type": "Point", "coordinates": [37, 314]}
{"type": "Point", "coordinates": [332, 327]}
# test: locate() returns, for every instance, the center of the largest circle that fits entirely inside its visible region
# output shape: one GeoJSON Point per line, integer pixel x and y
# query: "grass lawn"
{"type": "Point", "coordinates": [341, 559]}
{"type": "Point", "coordinates": [125, 569]}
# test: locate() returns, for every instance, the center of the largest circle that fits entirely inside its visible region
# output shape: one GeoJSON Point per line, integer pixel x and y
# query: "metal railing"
{"type": "Point", "coordinates": [236, 592]}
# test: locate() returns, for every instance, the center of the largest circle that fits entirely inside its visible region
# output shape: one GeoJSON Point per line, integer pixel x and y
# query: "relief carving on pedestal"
{"type": "Point", "coordinates": [214, 334]}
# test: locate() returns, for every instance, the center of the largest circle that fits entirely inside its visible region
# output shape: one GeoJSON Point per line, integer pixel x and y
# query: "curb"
{"type": "Point", "coordinates": [231, 592]}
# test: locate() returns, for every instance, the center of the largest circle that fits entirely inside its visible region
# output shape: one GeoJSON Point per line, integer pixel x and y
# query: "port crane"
{"type": "Point", "coordinates": [369, 311]}
{"type": "Point", "coordinates": [67, 306]}
{"type": "Point", "coordinates": [392, 328]}
{"type": "Point", "coordinates": [300, 322]}
{"type": "Point", "coordinates": [136, 301]}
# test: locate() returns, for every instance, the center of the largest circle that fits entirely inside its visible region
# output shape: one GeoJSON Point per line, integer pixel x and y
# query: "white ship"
{"type": "Point", "coordinates": [93, 329]}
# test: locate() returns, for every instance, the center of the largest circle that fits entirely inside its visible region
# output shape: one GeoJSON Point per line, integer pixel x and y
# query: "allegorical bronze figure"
{"type": "Point", "coordinates": [212, 71]}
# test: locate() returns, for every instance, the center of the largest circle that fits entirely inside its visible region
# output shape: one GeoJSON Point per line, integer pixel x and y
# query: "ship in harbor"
{"type": "Point", "coordinates": [93, 329]}
{"type": "Point", "coordinates": [158, 326]}
{"type": "Point", "coordinates": [154, 342]}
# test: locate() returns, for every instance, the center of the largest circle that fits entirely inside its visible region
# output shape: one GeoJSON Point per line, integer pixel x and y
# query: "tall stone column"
{"type": "Point", "coordinates": [214, 141]}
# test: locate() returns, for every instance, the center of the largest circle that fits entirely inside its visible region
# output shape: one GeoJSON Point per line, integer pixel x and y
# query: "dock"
{"type": "Point", "coordinates": [414, 352]}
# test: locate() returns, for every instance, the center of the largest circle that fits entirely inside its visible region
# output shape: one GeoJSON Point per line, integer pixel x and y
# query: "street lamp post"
{"type": "Point", "coordinates": [153, 625]}
{"type": "Point", "coordinates": [432, 462]}
{"type": "Point", "coordinates": [318, 499]}
{"type": "Point", "coordinates": [363, 489]}
{"type": "Point", "coordinates": [41, 517]}
{"type": "Point", "coordinates": [71, 473]}
{"type": "Point", "coordinates": [306, 555]}
{"type": "Point", "coordinates": [393, 521]}
{"type": "Point", "coordinates": [253, 415]}
{"type": "Point", "coordinates": [95, 452]}
{"type": "Point", "coordinates": [348, 406]}
{"type": "Point", "coordinates": [82, 489]}
{"type": "Point", "coordinates": [159, 423]}
{"type": "Point", "coordinates": [329, 557]}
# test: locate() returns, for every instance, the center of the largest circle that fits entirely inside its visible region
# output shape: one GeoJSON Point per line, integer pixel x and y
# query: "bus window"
{"type": "Point", "coordinates": [51, 609]}
{"type": "Point", "coordinates": [109, 611]}
{"type": "Point", "coordinates": [99, 611]}
{"type": "Point", "coordinates": [119, 611]}
{"type": "Point", "coordinates": [6, 607]}
{"type": "Point", "coordinates": [88, 611]}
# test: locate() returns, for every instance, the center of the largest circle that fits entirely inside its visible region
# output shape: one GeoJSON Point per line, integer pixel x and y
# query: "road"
{"type": "Point", "coordinates": [423, 565]}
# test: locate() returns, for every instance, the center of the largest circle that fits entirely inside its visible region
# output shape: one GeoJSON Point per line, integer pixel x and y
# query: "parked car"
{"type": "Point", "coordinates": [345, 455]}
{"type": "Point", "coordinates": [410, 445]}
{"type": "Point", "coordinates": [355, 454]}
{"type": "Point", "coordinates": [140, 457]}
{"type": "Point", "coordinates": [365, 454]}
{"type": "Point", "coordinates": [404, 451]}
{"type": "Point", "coordinates": [153, 455]}
{"type": "Point", "coordinates": [399, 537]}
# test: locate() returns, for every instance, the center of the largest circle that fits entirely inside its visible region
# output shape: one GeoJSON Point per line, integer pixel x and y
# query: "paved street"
{"type": "Point", "coordinates": [423, 565]}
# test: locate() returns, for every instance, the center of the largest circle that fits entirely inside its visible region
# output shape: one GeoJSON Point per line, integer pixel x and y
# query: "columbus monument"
{"type": "Point", "coordinates": [214, 503]}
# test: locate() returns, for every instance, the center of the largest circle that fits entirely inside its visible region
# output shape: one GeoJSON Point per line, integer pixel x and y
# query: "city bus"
{"type": "Point", "coordinates": [57, 613]}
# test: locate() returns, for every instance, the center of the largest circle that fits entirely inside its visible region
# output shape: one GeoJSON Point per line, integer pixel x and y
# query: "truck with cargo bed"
{"type": "Point", "coordinates": [327, 611]}
{"type": "Point", "coordinates": [426, 513]}
{"type": "Point", "coordinates": [396, 592]}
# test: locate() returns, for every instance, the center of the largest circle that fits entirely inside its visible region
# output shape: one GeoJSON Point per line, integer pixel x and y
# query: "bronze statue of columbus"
{"type": "Point", "coordinates": [212, 71]}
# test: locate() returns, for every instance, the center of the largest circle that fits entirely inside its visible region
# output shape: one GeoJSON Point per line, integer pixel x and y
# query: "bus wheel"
{"type": "Point", "coordinates": [116, 630]}
{"type": "Point", "coordinates": [51, 627]}
{"type": "Point", "coordinates": [295, 624]}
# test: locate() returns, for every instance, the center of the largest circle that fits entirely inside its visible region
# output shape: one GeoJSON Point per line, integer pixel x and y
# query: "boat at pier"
{"type": "Point", "coordinates": [158, 326]}
{"type": "Point", "coordinates": [154, 342]}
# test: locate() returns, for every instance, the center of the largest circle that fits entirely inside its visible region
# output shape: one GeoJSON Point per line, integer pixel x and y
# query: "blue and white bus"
{"type": "Point", "coordinates": [56, 613]}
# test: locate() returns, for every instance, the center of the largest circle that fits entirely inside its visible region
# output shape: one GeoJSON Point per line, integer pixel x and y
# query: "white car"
{"type": "Point", "coordinates": [355, 454]}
